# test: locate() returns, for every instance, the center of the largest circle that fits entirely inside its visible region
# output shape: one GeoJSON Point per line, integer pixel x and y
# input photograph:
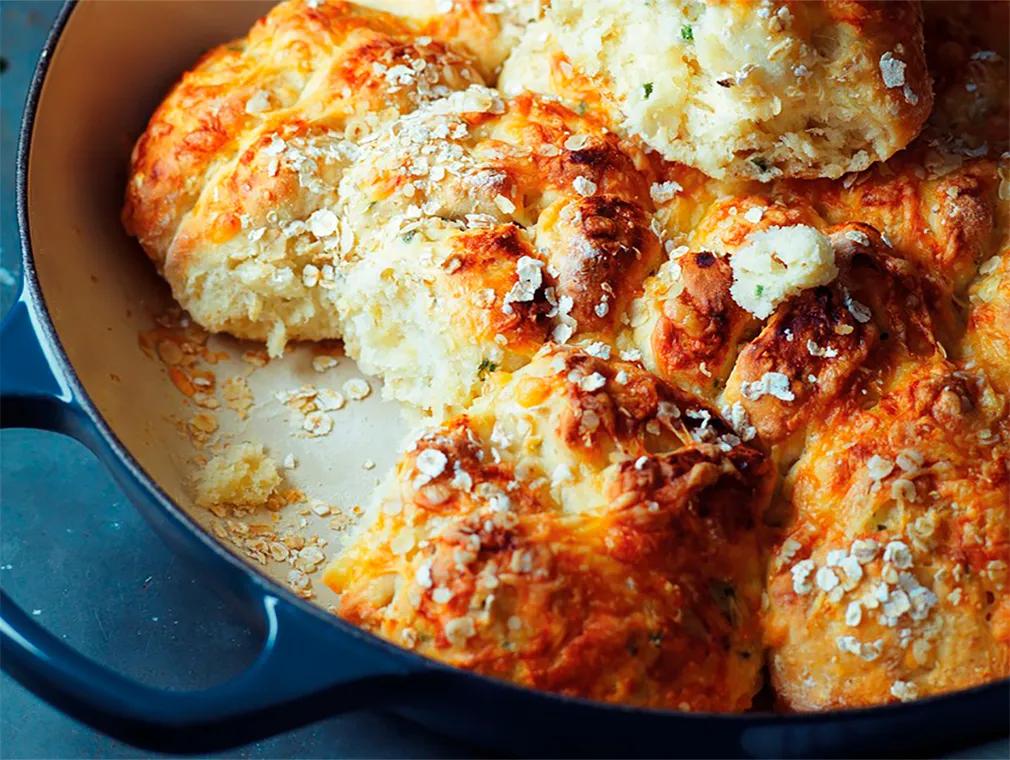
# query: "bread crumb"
{"type": "Point", "coordinates": [777, 263]}
{"type": "Point", "coordinates": [242, 476]}
{"type": "Point", "coordinates": [237, 395]}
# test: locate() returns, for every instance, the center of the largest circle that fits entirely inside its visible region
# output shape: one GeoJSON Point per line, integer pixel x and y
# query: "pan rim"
{"type": "Point", "coordinates": [36, 299]}
{"type": "Point", "coordinates": [191, 531]}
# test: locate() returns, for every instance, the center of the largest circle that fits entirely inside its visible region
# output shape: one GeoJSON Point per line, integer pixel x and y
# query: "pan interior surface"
{"type": "Point", "coordinates": [115, 316]}
{"type": "Point", "coordinates": [172, 395]}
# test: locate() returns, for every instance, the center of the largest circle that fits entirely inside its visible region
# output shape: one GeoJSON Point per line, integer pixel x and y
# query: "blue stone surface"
{"type": "Point", "coordinates": [75, 553]}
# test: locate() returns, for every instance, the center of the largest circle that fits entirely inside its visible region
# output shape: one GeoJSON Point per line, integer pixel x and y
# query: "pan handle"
{"type": "Point", "coordinates": [306, 670]}
{"type": "Point", "coordinates": [33, 393]}
{"type": "Point", "coordinates": [287, 686]}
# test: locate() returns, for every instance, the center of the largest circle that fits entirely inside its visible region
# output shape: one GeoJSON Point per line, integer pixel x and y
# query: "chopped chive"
{"type": "Point", "coordinates": [485, 366]}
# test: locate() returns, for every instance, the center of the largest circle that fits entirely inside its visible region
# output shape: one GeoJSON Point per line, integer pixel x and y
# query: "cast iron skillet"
{"type": "Point", "coordinates": [314, 665]}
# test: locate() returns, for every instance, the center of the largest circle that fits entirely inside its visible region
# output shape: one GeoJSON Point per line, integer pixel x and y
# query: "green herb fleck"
{"type": "Point", "coordinates": [687, 33]}
{"type": "Point", "coordinates": [408, 236]}
{"type": "Point", "coordinates": [648, 89]}
{"type": "Point", "coordinates": [485, 367]}
{"type": "Point", "coordinates": [759, 290]}
{"type": "Point", "coordinates": [581, 109]}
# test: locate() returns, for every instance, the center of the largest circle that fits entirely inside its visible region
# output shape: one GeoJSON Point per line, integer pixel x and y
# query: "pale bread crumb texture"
{"type": "Point", "coordinates": [777, 263]}
{"type": "Point", "coordinates": [486, 30]}
{"type": "Point", "coordinates": [758, 90]}
{"type": "Point", "coordinates": [243, 476]}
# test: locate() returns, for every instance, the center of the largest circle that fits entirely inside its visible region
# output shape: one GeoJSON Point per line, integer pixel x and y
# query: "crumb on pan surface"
{"type": "Point", "coordinates": [243, 475]}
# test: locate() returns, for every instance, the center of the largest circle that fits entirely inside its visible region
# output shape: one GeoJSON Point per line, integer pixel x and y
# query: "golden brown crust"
{"type": "Point", "coordinates": [644, 597]}
{"type": "Point", "coordinates": [912, 495]}
{"type": "Point", "coordinates": [199, 123]}
{"type": "Point", "coordinates": [486, 30]}
{"type": "Point", "coordinates": [866, 386]}
{"type": "Point", "coordinates": [871, 315]}
{"type": "Point", "coordinates": [696, 336]}
{"type": "Point", "coordinates": [987, 335]}
{"type": "Point", "coordinates": [252, 142]}
{"type": "Point", "coordinates": [487, 258]}
{"type": "Point", "coordinates": [563, 184]}
{"type": "Point", "coordinates": [895, 28]}
{"type": "Point", "coordinates": [602, 249]}
{"type": "Point", "coordinates": [592, 528]}
{"type": "Point", "coordinates": [811, 321]}
{"type": "Point", "coordinates": [181, 141]}
{"type": "Point", "coordinates": [938, 216]}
